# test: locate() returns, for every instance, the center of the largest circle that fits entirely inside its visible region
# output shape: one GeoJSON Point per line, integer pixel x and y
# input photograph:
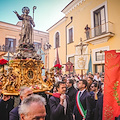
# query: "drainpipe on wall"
{"type": "Point", "coordinates": [66, 34]}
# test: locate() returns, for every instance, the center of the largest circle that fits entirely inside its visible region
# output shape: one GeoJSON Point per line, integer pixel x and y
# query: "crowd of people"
{"type": "Point", "coordinates": [74, 97]}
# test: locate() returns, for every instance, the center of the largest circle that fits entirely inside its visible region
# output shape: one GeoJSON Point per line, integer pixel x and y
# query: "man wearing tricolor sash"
{"type": "Point", "coordinates": [83, 108]}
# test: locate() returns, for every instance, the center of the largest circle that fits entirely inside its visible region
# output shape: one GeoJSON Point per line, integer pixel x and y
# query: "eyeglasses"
{"type": "Point", "coordinates": [38, 118]}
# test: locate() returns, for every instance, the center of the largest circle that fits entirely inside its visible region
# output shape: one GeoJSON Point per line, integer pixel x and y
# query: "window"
{"type": "Point", "coordinates": [99, 21]}
{"type": "Point", "coordinates": [70, 32]}
{"type": "Point", "coordinates": [99, 68]}
{"type": "Point", "coordinates": [37, 46]}
{"type": "Point", "coordinates": [100, 56]}
{"type": "Point", "coordinates": [10, 44]}
{"type": "Point", "coordinates": [57, 40]}
{"type": "Point", "coordinates": [71, 59]}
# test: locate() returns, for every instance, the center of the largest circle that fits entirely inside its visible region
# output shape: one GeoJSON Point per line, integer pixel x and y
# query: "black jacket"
{"type": "Point", "coordinates": [86, 103]}
{"type": "Point", "coordinates": [71, 92]}
{"type": "Point", "coordinates": [57, 110]}
{"type": "Point", "coordinates": [5, 108]}
{"type": "Point", "coordinates": [99, 109]}
{"type": "Point", "coordinates": [93, 103]}
{"type": "Point", "coordinates": [13, 115]}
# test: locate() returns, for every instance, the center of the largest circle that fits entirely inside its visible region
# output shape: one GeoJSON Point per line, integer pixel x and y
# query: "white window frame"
{"type": "Point", "coordinates": [72, 55]}
{"type": "Point", "coordinates": [92, 15]}
{"type": "Point", "coordinates": [68, 34]}
{"type": "Point", "coordinates": [94, 54]}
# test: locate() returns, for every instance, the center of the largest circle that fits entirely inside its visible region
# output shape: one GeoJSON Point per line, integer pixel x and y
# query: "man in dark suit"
{"type": "Point", "coordinates": [95, 94]}
{"type": "Point", "coordinates": [99, 106]}
{"type": "Point", "coordinates": [99, 109]}
{"type": "Point", "coordinates": [25, 92]}
{"type": "Point", "coordinates": [89, 83]}
{"type": "Point", "coordinates": [85, 100]}
{"type": "Point", "coordinates": [59, 104]}
{"type": "Point", "coordinates": [6, 105]}
{"type": "Point", "coordinates": [71, 92]}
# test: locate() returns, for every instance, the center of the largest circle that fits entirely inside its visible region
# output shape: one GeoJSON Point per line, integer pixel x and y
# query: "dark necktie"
{"type": "Point", "coordinates": [80, 94]}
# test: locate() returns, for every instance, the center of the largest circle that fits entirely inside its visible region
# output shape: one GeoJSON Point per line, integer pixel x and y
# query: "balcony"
{"type": "Point", "coordinates": [100, 34]}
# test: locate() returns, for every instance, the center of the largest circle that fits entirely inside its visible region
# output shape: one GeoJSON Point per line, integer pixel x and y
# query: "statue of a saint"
{"type": "Point", "coordinates": [27, 25]}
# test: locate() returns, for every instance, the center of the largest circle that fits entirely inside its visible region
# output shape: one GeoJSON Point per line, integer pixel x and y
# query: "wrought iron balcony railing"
{"type": "Point", "coordinates": [105, 30]}
{"type": "Point", "coordinates": [101, 29]}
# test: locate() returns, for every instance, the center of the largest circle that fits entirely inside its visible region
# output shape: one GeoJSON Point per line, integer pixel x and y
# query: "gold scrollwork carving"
{"type": "Point", "coordinates": [26, 73]}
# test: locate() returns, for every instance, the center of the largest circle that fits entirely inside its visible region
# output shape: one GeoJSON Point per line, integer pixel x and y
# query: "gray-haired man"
{"type": "Point", "coordinates": [33, 108]}
{"type": "Point", "coordinates": [24, 92]}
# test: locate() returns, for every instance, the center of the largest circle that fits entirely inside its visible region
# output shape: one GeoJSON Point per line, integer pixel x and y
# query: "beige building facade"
{"type": "Point", "coordinates": [102, 18]}
{"type": "Point", "coordinates": [10, 35]}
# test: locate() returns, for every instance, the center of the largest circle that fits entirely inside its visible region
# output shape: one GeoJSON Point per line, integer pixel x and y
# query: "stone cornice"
{"type": "Point", "coordinates": [17, 28]}
{"type": "Point", "coordinates": [9, 26]}
{"type": "Point", "coordinates": [71, 6]}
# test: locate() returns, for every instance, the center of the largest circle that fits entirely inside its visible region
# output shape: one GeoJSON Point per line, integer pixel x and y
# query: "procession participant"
{"type": "Point", "coordinates": [24, 92]}
{"type": "Point", "coordinates": [64, 79]}
{"type": "Point", "coordinates": [83, 108]}
{"type": "Point", "coordinates": [95, 94]}
{"type": "Point", "coordinates": [33, 108]}
{"type": "Point", "coordinates": [59, 104]}
{"type": "Point", "coordinates": [101, 82]}
{"type": "Point", "coordinates": [6, 105]}
{"type": "Point", "coordinates": [0, 90]}
{"type": "Point", "coordinates": [89, 81]}
{"type": "Point", "coordinates": [71, 92]}
{"type": "Point", "coordinates": [47, 107]}
{"type": "Point", "coordinates": [99, 106]}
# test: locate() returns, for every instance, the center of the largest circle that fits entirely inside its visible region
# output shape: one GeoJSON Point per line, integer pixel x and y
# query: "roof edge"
{"type": "Point", "coordinates": [57, 23]}
{"type": "Point", "coordinates": [71, 6]}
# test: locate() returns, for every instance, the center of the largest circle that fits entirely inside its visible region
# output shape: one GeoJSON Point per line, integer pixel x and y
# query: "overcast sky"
{"type": "Point", "coordinates": [48, 12]}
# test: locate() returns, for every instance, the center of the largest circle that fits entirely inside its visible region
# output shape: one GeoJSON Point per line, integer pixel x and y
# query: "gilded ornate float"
{"type": "Point", "coordinates": [26, 68]}
{"type": "Point", "coordinates": [26, 72]}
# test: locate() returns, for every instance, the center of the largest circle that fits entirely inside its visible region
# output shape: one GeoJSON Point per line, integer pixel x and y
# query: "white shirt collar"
{"type": "Point", "coordinates": [82, 91]}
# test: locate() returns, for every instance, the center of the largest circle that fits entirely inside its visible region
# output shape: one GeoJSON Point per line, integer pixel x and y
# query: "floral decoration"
{"type": "Point", "coordinates": [58, 66]}
{"type": "Point", "coordinates": [3, 62]}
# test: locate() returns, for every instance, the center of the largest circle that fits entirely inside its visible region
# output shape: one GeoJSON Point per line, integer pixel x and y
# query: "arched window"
{"type": "Point", "coordinates": [57, 38]}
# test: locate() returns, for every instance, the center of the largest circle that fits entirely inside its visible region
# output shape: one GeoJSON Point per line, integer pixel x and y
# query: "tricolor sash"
{"type": "Point", "coordinates": [79, 106]}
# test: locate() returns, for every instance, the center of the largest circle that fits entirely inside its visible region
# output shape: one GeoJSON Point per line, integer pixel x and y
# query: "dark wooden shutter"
{"type": "Point", "coordinates": [14, 45]}
{"type": "Point", "coordinates": [6, 44]}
